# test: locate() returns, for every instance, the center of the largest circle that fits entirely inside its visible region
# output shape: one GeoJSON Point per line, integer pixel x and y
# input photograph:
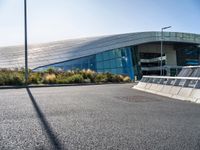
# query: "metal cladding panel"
{"type": "Point", "coordinates": [49, 53]}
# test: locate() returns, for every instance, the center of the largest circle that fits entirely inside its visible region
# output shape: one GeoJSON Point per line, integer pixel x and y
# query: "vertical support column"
{"type": "Point", "coordinates": [161, 53]}
{"type": "Point", "coordinates": [25, 42]}
{"type": "Point", "coordinates": [130, 63]}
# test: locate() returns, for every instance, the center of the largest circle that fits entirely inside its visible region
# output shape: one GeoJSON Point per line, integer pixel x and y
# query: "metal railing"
{"type": "Point", "coordinates": [192, 82]}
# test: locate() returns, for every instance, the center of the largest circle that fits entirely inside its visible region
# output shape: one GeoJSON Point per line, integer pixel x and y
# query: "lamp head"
{"type": "Point", "coordinates": [166, 27]}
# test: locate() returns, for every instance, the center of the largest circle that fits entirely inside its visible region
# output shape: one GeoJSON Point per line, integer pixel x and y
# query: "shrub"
{"type": "Point", "coordinates": [88, 75]}
{"type": "Point", "coordinates": [35, 78]}
{"type": "Point", "coordinates": [49, 79]}
{"type": "Point", "coordinates": [11, 78]}
{"type": "Point", "coordinates": [18, 79]}
{"type": "Point", "coordinates": [100, 78]}
{"type": "Point", "coordinates": [77, 78]}
{"type": "Point", "coordinates": [2, 79]}
{"type": "Point", "coordinates": [126, 79]}
{"type": "Point", "coordinates": [51, 70]}
{"type": "Point", "coordinates": [113, 78]}
{"type": "Point", "coordinates": [61, 78]}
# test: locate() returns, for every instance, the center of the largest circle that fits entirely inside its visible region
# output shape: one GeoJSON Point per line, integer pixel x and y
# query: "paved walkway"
{"type": "Point", "coordinates": [96, 117]}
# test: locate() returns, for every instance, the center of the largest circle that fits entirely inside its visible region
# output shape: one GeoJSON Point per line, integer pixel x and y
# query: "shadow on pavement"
{"type": "Point", "coordinates": [51, 135]}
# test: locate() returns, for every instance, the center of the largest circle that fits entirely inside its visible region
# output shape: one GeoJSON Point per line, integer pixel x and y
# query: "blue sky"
{"type": "Point", "coordinates": [50, 20]}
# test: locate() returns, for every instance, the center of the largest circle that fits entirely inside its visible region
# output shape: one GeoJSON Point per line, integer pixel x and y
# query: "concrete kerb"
{"type": "Point", "coordinates": [195, 94]}
{"type": "Point", "coordinates": [148, 85]}
{"type": "Point", "coordinates": [41, 86]}
{"type": "Point", "coordinates": [55, 85]}
{"type": "Point", "coordinates": [141, 85]}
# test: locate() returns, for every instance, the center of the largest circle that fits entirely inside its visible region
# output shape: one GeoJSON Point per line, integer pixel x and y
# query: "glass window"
{"type": "Point", "coordinates": [85, 66]}
{"type": "Point", "coordinates": [100, 65]}
{"type": "Point", "coordinates": [118, 53]}
{"type": "Point", "coordinates": [99, 57]}
{"type": "Point", "coordinates": [112, 54]}
{"type": "Point", "coordinates": [92, 60]}
{"type": "Point", "coordinates": [123, 52]}
{"type": "Point", "coordinates": [106, 55]}
{"type": "Point", "coordinates": [107, 70]}
{"type": "Point", "coordinates": [57, 65]}
{"type": "Point", "coordinates": [119, 62]}
{"type": "Point", "coordinates": [114, 71]}
{"type": "Point", "coordinates": [119, 71]}
{"type": "Point", "coordinates": [188, 56]}
{"type": "Point", "coordinates": [125, 71]}
{"type": "Point", "coordinates": [125, 61]}
{"type": "Point", "coordinates": [101, 70]}
{"type": "Point", "coordinates": [68, 67]}
{"type": "Point", "coordinates": [92, 66]}
{"type": "Point", "coordinates": [113, 63]}
{"type": "Point", "coordinates": [77, 66]}
{"type": "Point", "coordinates": [107, 64]}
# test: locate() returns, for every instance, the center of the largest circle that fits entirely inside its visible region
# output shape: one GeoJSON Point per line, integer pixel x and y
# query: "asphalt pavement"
{"type": "Point", "coordinates": [98, 117]}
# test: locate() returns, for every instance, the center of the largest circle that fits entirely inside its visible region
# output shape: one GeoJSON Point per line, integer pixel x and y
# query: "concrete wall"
{"type": "Point", "coordinates": [176, 92]}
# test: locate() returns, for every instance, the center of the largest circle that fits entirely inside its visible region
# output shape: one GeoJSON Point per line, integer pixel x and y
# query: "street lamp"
{"type": "Point", "coordinates": [161, 48]}
{"type": "Point", "coordinates": [25, 43]}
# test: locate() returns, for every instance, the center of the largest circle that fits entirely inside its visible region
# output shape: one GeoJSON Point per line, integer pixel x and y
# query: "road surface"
{"type": "Point", "coordinates": [110, 116]}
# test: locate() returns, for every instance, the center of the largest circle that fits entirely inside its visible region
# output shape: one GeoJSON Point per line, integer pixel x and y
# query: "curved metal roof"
{"type": "Point", "coordinates": [53, 52]}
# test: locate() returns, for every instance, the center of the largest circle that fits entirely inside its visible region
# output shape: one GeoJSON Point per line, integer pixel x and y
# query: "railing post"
{"type": "Point", "coordinates": [161, 81]}
{"type": "Point", "coordinates": [197, 85]}
{"type": "Point", "coordinates": [187, 82]}
{"type": "Point", "coordinates": [169, 81]}
{"type": "Point", "coordinates": [177, 81]}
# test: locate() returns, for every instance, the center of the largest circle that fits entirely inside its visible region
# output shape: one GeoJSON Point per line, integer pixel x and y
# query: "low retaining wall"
{"type": "Point", "coordinates": [176, 92]}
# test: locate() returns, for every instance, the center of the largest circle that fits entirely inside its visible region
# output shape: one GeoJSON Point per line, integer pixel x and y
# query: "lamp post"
{"type": "Point", "coordinates": [25, 42]}
{"type": "Point", "coordinates": [161, 49]}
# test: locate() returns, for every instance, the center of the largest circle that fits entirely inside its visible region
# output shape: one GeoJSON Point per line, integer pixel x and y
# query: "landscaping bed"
{"type": "Point", "coordinates": [51, 76]}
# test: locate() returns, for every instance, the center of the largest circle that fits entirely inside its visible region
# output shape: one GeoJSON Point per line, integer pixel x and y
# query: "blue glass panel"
{"type": "Point", "coordinates": [113, 63]}
{"type": "Point", "coordinates": [77, 66]}
{"type": "Point", "coordinates": [114, 71]}
{"type": "Point", "coordinates": [107, 70]}
{"type": "Point", "coordinates": [126, 71]}
{"type": "Point", "coordinates": [67, 67]}
{"type": "Point", "coordinates": [99, 57]}
{"type": "Point", "coordinates": [123, 52]}
{"type": "Point", "coordinates": [106, 55]}
{"type": "Point", "coordinates": [92, 67]}
{"type": "Point", "coordinates": [112, 54]}
{"type": "Point", "coordinates": [85, 66]}
{"type": "Point", "coordinates": [119, 62]}
{"type": "Point", "coordinates": [101, 71]}
{"type": "Point", "coordinates": [107, 64]}
{"type": "Point", "coordinates": [118, 53]}
{"type": "Point", "coordinates": [124, 61]}
{"type": "Point", "coordinates": [100, 65]}
{"type": "Point", "coordinates": [119, 71]}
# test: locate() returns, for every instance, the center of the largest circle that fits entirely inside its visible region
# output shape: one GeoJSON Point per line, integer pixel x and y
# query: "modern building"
{"type": "Point", "coordinates": [133, 54]}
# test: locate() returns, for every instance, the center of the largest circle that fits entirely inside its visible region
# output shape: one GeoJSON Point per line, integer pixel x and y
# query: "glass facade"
{"type": "Point", "coordinates": [128, 61]}
{"type": "Point", "coordinates": [116, 61]}
{"type": "Point", "coordinates": [188, 57]}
